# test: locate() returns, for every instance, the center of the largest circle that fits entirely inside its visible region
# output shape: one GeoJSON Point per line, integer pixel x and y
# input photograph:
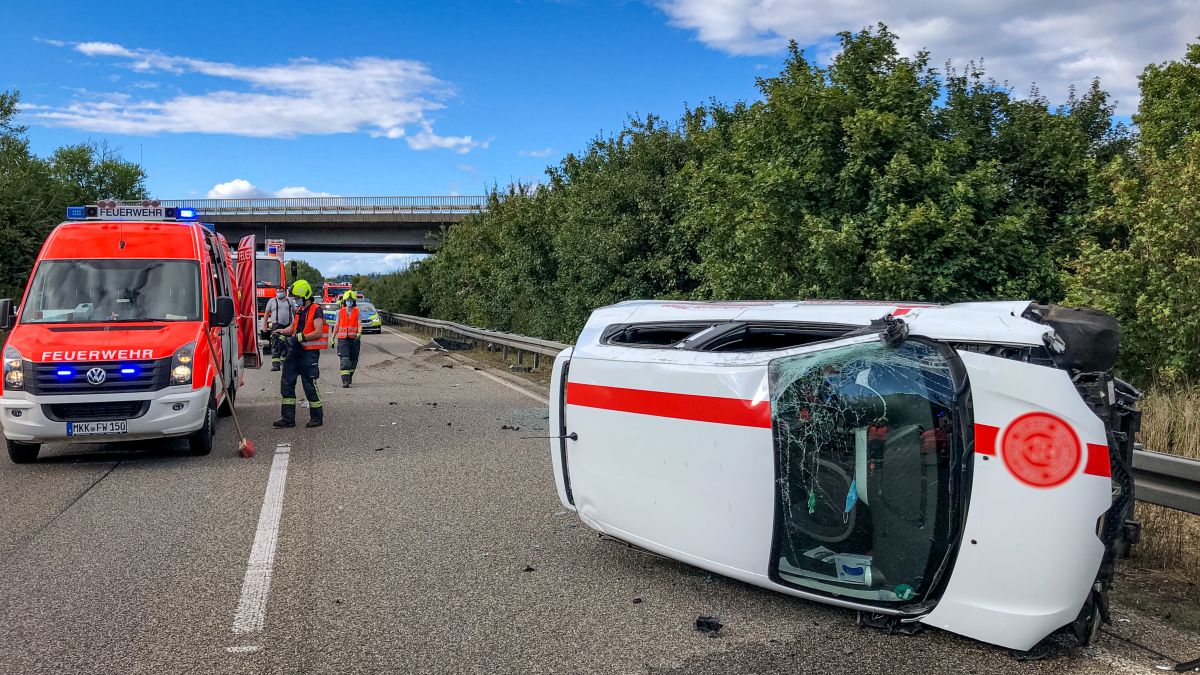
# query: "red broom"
{"type": "Point", "coordinates": [245, 446]}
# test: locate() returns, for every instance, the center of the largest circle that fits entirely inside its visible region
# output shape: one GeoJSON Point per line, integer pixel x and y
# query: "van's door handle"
{"type": "Point", "coordinates": [571, 436]}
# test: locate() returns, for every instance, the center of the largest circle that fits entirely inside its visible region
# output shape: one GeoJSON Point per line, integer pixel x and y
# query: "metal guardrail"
{"type": "Point", "coordinates": [332, 205]}
{"type": "Point", "coordinates": [1172, 481]}
{"type": "Point", "coordinates": [519, 344]}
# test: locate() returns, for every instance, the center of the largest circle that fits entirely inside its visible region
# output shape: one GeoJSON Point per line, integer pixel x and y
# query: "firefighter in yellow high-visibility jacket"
{"type": "Point", "coordinates": [349, 336]}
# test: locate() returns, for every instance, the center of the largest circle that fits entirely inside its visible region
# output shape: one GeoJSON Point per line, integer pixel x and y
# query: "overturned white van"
{"type": "Point", "coordinates": [961, 466]}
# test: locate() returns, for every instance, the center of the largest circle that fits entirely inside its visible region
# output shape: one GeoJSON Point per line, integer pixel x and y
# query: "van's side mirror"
{"type": "Point", "coordinates": [223, 316]}
{"type": "Point", "coordinates": [8, 314]}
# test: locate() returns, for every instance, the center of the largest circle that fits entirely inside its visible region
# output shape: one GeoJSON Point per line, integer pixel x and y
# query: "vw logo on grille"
{"type": "Point", "coordinates": [97, 376]}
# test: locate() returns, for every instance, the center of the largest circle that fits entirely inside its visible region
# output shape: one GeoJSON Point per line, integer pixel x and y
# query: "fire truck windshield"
{"type": "Point", "coordinates": [101, 291]}
{"type": "Point", "coordinates": [268, 272]}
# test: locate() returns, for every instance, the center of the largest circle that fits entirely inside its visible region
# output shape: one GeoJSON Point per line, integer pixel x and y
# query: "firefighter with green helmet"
{"type": "Point", "coordinates": [306, 339]}
{"type": "Point", "coordinates": [349, 336]}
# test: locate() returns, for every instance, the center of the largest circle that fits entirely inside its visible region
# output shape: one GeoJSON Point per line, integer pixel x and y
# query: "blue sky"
{"type": "Point", "coordinates": [408, 98]}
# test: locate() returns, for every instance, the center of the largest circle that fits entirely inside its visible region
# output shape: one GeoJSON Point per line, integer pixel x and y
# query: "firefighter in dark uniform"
{"type": "Point", "coordinates": [307, 339]}
{"type": "Point", "coordinates": [277, 316]}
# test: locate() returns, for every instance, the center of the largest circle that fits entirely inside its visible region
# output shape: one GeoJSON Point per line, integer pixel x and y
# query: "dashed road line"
{"type": "Point", "coordinates": [256, 585]}
{"type": "Point", "coordinates": [510, 385]}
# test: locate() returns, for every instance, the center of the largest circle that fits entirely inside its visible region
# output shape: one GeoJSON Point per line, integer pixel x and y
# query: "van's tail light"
{"type": "Point", "coordinates": [14, 375]}
{"type": "Point", "coordinates": [181, 364]}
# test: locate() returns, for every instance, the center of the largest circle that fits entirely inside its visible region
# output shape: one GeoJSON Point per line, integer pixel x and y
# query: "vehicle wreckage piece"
{"type": "Point", "coordinates": [961, 466]}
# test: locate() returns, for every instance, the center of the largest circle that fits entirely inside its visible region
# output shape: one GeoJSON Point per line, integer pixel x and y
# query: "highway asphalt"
{"type": "Point", "coordinates": [413, 533]}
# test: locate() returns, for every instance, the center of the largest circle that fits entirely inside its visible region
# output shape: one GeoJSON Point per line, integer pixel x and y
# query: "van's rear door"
{"type": "Point", "coordinates": [246, 304]}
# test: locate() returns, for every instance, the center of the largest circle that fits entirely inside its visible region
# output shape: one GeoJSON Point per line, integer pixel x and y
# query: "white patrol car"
{"type": "Point", "coordinates": [961, 466]}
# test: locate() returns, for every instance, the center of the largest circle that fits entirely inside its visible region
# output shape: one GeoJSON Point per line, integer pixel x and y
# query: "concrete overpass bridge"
{"type": "Point", "coordinates": [337, 224]}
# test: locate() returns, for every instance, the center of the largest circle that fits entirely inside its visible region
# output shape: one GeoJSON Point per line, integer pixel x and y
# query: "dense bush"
{"type": "Point", "coordinates": [876, 177]}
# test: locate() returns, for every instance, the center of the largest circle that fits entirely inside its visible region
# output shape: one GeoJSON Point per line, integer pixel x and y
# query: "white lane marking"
{"type": "Point", "coordinates": [257, 583]}
{"type": "Point", "coordinates": [403, 336]}
{"type": "Point", "coordinates": [243, 650]}
{"type": "Point", "coordinates": [510, 385]}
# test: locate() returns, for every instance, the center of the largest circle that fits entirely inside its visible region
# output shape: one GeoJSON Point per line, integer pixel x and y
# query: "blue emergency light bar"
{"type": "Point", "coordinates": [147, 210]}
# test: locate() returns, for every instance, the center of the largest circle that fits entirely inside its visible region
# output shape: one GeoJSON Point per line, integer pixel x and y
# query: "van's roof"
{"type": "Point", "coordinates": [1000, 322]}
{"type": "Point", "coordinates": [123, 239]}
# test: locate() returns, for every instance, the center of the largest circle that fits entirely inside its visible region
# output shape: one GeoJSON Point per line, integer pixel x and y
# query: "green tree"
{"type": "Point", "coordinates": [1169, 111]}
{"type": "Point", "coordinates": [1142, 263]}
{"type": "Point", "coordinates": [35, 192]}
{"type": "Point", "coordinates": [305, 271]}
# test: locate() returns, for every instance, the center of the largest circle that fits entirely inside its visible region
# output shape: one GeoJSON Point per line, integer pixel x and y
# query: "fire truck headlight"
{"type": "Point", "coordinates": [181, 364]}
{"type": "Point", "coordinates": [14, 375]}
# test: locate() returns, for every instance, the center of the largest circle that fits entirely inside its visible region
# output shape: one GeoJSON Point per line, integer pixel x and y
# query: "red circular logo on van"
{"type": "Point", "coordinates": [1041, 450]}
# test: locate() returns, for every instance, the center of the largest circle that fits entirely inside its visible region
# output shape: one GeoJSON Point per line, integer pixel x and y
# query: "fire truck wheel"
{"type": "Point", "coordinates": [226, 408]}
{"type": "Point", "coordinates": [22, 453]}
{"type": "Point", "coordinates": [201, 440]}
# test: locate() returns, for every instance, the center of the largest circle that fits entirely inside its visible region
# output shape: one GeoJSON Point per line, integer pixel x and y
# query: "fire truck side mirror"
{"type": "Point", "coordinates": [223, 316]}
{"type": "Point", "coordinates": [7, 314]}
{"type": "Point", "coordinates": [294, 270]}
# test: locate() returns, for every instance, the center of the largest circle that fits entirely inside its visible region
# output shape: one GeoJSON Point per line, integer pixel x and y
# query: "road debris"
{"type": "Point", "coordinates": [451, 345]}
{"type": "Point", "coordinates": [709, 625]}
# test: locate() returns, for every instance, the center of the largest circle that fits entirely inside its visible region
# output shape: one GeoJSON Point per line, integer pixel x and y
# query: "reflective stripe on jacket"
{"type": "Point", "coordinates": [309, 315]}
{"type": "Point", "coordinates": [348, 323]}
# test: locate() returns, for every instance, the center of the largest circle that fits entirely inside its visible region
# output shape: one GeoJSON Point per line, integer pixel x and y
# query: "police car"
{"type": "Point", "coordinates": [962, 466]}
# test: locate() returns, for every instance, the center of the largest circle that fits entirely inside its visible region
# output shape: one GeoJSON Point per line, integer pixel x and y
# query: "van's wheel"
{"type": "Point", "coordinates": [226, 408]}
{"type": "Point", "coordinates": [200, 442]}
{"type": "Point", "coordinates": [1086, 627]}
{"type": "Point", "coordinates": [22, 453]}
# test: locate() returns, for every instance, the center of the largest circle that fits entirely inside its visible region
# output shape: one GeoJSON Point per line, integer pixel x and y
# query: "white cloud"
{"type": "Point", "coordinates": [426, 139]}
{"type": "Point", "coordinates": [301, 192]}
{"type": "Point", "coordinates": [240, 188]}
{"type": "Point", "coordinates": [378, 96]}
{"type": "Point", "coordinates": [544, 152]}
{"type": "Point", "coordinates": [1054, 44]}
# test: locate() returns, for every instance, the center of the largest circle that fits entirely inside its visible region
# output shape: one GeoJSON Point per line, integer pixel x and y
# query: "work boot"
{"type": "Point", "coordinates": [313, 423]}
{"type": "Point", "coordinates": [275, 367]}
{"type": "Point", "coordinates": [287, 416]}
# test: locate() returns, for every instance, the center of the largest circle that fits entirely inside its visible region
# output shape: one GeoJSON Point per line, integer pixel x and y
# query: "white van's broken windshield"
{"type": "Point", "coordinates": [102, 291]}
{"type": "Point", "coordinates": [865, 445]}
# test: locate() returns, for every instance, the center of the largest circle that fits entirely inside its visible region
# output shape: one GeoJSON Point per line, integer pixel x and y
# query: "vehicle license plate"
{"type": "Point", "coordinates": [97, 428]}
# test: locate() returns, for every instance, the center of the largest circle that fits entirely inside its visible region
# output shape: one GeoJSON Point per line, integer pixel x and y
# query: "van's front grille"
{"type": "Point", "coordinates": [73, 378]}
{"type": "Point", "coordinates": [87, 412]}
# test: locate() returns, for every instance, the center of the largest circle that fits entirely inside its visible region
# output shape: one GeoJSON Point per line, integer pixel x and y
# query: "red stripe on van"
{"type": "Point", "coordinates": [1098, 463]}
{"type": "Point", "coordinates": [713, 409]}
{"type": "Point", "coordinates": [985, 439]}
